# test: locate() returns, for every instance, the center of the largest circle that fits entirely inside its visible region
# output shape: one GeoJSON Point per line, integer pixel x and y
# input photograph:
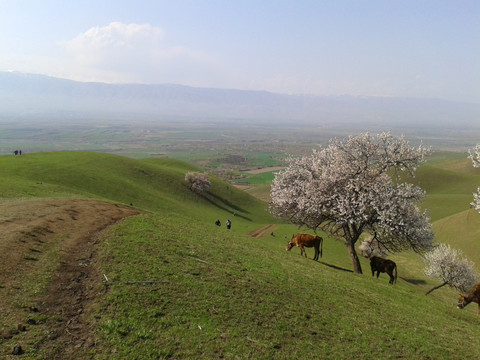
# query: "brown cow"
{"type": "Point", "coordinates": [306, 240]}
{"type": "Point", "coordinates": [472, 295]}
{"type": "Point", "coordinates": [379, 265]}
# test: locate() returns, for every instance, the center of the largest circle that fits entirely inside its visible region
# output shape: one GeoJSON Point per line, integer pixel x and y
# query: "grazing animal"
{"type": "Point", "coordinates": [306, 240]}
{"type": "Point", "coordinates": [379, 265]}
{"type": "Point", "coordinates": [473, 295]}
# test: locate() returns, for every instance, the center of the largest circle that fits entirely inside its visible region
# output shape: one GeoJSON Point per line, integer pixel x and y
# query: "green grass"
{"type": "Point", "coordinates": [462, 231]}
{"type": "Point", "coordinates": [449, 185]}
{"type": "Point", "coordinates": [150, 184]}
{"type": "Point", "coordinates": [261, 184]}
{"type": "Point", "coordinates": [262, 178]}
{"type": "Point", "coordinates": [223, 294]}
{"type": "Point", "coordinates": [216, 158]}
{"type": "Point", "coordinates": [265, 159]}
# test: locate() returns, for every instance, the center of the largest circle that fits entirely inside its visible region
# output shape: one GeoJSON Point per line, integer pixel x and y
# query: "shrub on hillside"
{"type": "Point", "coordinates": [197, 182]}
{"type": "Point", "coordinates": [449, 266]}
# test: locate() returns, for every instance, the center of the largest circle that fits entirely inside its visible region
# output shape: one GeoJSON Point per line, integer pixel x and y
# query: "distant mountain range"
{"type": "Point", "coordinates": [28, 96]}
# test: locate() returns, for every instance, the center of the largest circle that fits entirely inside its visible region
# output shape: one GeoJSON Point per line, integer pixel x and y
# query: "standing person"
{"type": "Point", "coordinates": [229, 224]}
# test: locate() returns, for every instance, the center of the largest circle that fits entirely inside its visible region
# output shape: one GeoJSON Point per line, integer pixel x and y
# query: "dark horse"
{"type": "Point", "coordinates": [379, 265]}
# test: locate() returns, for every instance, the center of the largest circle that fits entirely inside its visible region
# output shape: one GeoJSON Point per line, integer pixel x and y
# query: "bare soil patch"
{"type": "Point", "coordinates": [262, 231]}
{"type": "Point", "coordinates": [264, 170]}
{"type": "Point", "coordinates": [49, 273]}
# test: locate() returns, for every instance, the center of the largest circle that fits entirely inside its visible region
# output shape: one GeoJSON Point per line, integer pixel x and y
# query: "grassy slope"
{"type": "Point", "coordinates": [462, 231]}
{"type": "Point", "coordinates": [449, 184]}
{"type": "Point", "coordinates": [224, 294]}
{"type": "Point", "coordinates": [153, 184]}
{"type": "Point", "coordinates": [449, 180]}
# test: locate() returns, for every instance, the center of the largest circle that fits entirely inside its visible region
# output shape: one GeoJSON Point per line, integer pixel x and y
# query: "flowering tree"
{"type": "Point", "coordinates": [371, 247]}
{"type": "Point", "coordinates": [354, 186]}
{"type": "Point", "coordinates": [449, 266]}
{"type": "Point", "coordinates": [198, 182]}
{"type": "Point", "coordinates": [475, 157]}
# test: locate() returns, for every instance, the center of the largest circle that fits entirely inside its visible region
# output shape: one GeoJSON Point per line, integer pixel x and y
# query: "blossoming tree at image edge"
{"type": "Point", "coordinates": [475, 157]}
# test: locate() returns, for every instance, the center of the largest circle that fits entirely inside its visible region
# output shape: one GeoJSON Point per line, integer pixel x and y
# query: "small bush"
{"type": "Point", "coordinates": [198, 182]}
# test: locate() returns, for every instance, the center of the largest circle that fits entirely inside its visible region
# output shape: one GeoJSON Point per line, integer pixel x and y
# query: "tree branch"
{"type": "Point", "coordinates": [435, 288]}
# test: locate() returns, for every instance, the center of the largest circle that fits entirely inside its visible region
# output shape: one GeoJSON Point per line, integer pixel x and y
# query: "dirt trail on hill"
{"type": "Point", "coordinates": [262, 231]}
{"type": "Point", "coordinates": [59, 234]}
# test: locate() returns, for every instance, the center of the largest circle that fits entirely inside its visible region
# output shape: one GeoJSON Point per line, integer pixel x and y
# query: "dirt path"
{"type": "Point", "coordinates": [267, 169]}
{"type": "Point", "coordinates": [51, 241]}
{"type": "Point", "coordinates": [262, 231]}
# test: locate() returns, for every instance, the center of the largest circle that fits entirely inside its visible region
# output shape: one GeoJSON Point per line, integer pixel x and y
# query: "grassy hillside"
{"type": "Point", "coordinates": [449, 181]}
{"type": "Point", "coordinates": [462, 231]}
{"type": "Point", "coordinates": [224, 294]}
{"type": "Point", "coordinates": [151, 184]}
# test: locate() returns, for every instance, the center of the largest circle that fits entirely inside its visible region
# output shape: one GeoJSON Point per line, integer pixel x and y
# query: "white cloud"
{"type": "Point", "coordinates": [113, 44]}
{"type": "Point", "coordinates": [134, 53]}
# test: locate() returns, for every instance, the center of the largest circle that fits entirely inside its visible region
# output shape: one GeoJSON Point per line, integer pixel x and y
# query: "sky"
{"type": "Point", "coordinates": [392, 48]}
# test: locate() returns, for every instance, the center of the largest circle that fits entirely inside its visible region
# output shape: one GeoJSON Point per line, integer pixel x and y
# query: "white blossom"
{"type": "Point", "coordinates": [449, 266]}
{"type": "Point", "coordinates": [474, 155]}
{"type": "Point", "coordinates": [354, 186]}
{"type": "Point", "coordinates": [372, 247]}
{"type": "Point", "coordinates": [198, 182]}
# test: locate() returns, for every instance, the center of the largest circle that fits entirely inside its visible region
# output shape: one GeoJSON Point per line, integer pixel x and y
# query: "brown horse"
{"type": "Point", "coordinates": [306, 240]}
{"type": "Point", "coordinates": [473, 295]}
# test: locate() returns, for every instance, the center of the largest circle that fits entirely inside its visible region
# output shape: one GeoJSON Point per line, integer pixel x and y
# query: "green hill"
{"type": "Point", "coordinates": [224, 294]}
{"type": "Point", "coordinates": [462, 231]}
{"type": "Point", "coordinates": [449, 185]}
{"type": "Point", "coordinates": [151, 184]}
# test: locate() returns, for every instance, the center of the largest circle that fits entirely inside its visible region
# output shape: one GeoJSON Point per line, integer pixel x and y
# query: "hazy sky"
{"type": "Point", "coordinates": [411, 48]}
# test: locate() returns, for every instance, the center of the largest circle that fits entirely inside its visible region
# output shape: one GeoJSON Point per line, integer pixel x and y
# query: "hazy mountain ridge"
{"type": "Point", "coordinates": [29, 96]}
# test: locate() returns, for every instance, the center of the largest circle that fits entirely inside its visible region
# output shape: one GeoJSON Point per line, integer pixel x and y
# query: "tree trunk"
{"type": "Point", "coordinates": [357, 268]}
{"type": "Point", "coordinates": [435, 288]}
